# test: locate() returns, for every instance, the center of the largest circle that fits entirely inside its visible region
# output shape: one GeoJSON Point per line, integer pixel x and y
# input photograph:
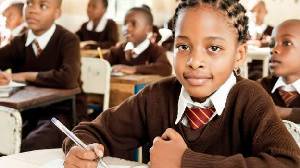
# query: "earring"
{"type": "Point", "coordinates": [237, 71]}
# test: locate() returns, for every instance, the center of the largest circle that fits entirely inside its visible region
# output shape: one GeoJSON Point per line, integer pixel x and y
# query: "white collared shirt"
{"type": "Point", "coordinates": [100, 27]}
{"type": "Point", "coordinates": [16, 31]}
{"type": "Point", "coordinates": [43, 40]}
{"type": "Point", "coordinates": [295, 86]}
{"type": "Point", "coordinates": [255, 28]}
{"type": "Point", "coordinates": [218, 99]}
{"type": "Point", "coordinates": [139, 49]}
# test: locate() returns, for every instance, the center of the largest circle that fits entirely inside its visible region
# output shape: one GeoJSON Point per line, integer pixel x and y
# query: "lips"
{"type": "Point", "coordinates": [32, 21]}
{"type": "Point", "coordinates": [273, 63]}
{"type": "Point", "coordinates": [197, 79]}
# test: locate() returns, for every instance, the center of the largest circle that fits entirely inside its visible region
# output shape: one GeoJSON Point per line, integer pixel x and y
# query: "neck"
{"type": "Point", "coordinates": [291, 79]}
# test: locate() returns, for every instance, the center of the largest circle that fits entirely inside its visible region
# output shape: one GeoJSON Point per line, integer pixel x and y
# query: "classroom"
{"type": "Point", "coordinates": [149, 83]}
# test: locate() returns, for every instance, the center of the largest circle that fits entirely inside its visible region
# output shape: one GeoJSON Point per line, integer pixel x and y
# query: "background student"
{"type": "Point", "coordinates": [48, 56]}
{"type": "Point", "coordinates": [99, 28]}
{"type": "Point", "coordinates": [259, 34]}
{"type": "Point", "coordinates": [138, 54]}
{"type": "Point", "coordinates": [242, 130]}
{"type": "Point", "coordinates": [14, 21]}
{"type": "Point", "coordinates": [284, 84]}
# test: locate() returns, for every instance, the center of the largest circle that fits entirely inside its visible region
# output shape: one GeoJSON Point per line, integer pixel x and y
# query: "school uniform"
{"type": "Point", "coordinates": [147, 57]}
{"type": "Point", "coordinates": [105, 33]}
{"type": "Point", "coordinates": [56, 59]}
{"type": "Point", "coordinates": [246, 133]}
{"type": "Point", "coordinates": [255, 67]}
{"type": "Point", "coordinates": [18, 31]}
{"type": "Point", "coordinates": [273, 84]}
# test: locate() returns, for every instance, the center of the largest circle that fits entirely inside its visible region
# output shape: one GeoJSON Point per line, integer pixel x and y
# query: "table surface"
{"type": "Point", "coordinates": [135, 79]}
{"type": "Point", "coordinates": [32, 95]}
{"type": "Point", "coordinates": [38, 158]}
{"type": "Point", "coordinates": [92, 53]}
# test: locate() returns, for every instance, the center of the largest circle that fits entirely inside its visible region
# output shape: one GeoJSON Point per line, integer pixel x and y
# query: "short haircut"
{"type": "Point", "coordinates": [146, 13]}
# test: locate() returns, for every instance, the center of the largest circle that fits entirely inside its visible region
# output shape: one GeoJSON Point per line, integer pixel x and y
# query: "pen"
{"type": "Point", "coordinates": [100, 53]}
{"type": "Point", "coordinates": [74, 138]}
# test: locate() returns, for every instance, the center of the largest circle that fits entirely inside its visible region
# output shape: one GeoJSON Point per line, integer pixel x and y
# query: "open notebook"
{"type": "Point", "coordinates": [12, 87]}
{"type": "Point", "coordinates": [111, 161]}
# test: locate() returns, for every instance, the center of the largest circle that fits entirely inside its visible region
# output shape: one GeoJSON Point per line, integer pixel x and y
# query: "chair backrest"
{"type": "Point", "coordinates": [95, 74]}
{"type": "Point", "coordinates": [170, 56]}
{"type": "Point", "coordinates": [294, 129]}
{"type": "Point", "coordinates": [11, 127]}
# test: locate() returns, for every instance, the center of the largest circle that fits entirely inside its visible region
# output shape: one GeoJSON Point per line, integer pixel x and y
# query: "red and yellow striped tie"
{"type": "Point", "coordinates": [38, 48]}
{"type": "Point", "coordinates": [199, 116]}
{"type": "Point", "coordinates": [288, 97]}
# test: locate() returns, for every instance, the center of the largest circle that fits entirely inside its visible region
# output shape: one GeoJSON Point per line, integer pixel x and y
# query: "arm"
{"type": "Point", "coordinates": [291, 114]}
{"type": "Point", "coordinates": [68, 73]}
{"type": "Point", "coordinates": [159, 64]}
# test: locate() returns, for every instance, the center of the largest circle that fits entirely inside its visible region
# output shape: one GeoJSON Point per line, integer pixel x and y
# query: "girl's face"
{"type": "Point", "coordinates": [206, 51]}
{"type": "Point", "coordinates": [285, 49]}
{"type": "Point", "coordinates": [95, 10]}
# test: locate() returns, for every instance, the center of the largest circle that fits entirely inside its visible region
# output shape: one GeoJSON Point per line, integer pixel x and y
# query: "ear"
{"type": "Point", "coordinates": [57, 13]}
{"type": "Point", "coordinates": [241, 55]}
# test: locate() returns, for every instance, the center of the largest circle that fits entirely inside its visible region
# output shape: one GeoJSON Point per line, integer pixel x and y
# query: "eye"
{"type": "Point", "coordinates": [29, 3]}
{"type": "Point", "coordinates": [214, 49]}
{"type": "Point", "coordinates": [286, 43]}
{"type": "Point", "coordinates": [182, 47]}
{"type": "Point", "coordinates": [43, 6]}
{"type": "Point", "coordinates": [272, 45]}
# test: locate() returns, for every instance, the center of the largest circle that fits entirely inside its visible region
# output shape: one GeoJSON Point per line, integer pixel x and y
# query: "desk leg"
{"type": "Point", "coordinates": [73, 107]}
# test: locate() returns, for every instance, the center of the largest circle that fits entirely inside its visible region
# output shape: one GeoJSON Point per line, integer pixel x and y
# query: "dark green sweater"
{"type": "Point", "coordinates": [248, 133]}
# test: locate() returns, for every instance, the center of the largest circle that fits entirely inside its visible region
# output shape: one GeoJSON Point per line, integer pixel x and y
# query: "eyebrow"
{"type": "Point", "coordinates": [287, 35]}
{"type": "Point", "coordinates": [210, 38]}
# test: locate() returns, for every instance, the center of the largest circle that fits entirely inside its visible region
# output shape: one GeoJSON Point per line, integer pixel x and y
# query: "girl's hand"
{"type": "Point", "coordinates": [82, 158]}
{"type": "Point", "coordinates": [167, 150]}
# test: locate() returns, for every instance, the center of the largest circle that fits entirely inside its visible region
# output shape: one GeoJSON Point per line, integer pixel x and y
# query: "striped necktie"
{"type": "Point", "coordinates": [288, 97]}
{"type": "Point", "coordinates": [198, 116]}
{"type": "Point", "coordinates": [38, 48]}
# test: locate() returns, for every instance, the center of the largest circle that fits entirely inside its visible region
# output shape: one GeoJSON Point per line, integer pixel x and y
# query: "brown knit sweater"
{"type": "Point", "coordinates": [247, 134]}
{"type": "Point", "coordinates": [151, 61]}
{"type": "Point", "coordinates": [58, 66]}
{"type": "Point", "coordinates": [106, 39]}
{"type": "Point", "coordinates": [268, 83]}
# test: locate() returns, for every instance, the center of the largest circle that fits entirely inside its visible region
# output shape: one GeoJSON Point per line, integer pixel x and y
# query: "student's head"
{"type": "Point", "coordinates": [41, 14]}
{"type": "Point", "coordinates": [209, 44]}
{"type": "Point", "coordinates": [258, 11]}
{"type": "Point", "coordinates": [14, 15]}
{"type": "Point", "coordinates": [138, 24]}
{"type": "Point", "coordinates": [96, 9]}
{"type": "Point", "coordinates": [285, 49]}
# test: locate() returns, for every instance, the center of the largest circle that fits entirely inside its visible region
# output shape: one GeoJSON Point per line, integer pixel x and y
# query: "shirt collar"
{"type": "Point", "coordinates": [295, 86]}
{"type": "Point", "coordinates": [218, 99]}
{"type": "Point", "coordinates": [101, 25]}
{"type": "Point", "coordinates": [16, 31]}
{"type": "Point", "coordinates": [43, 39]}
{"type": "Point", "coordinates": [138, 49]}
{"type": "Point", "coordinates": [257, 28]}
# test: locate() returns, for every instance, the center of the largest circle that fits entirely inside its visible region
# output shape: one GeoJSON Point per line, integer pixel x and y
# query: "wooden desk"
{"type": "Point", "coordinates": [123, 87]}
{"type": "Point", "coordinates": [32, 97]}
{"type": "Point", "coordinates": [38, 158]}
{"type": "Point", "coordinates": [92, 53]}
{"type": "Point", "coordinates": [257, 54]}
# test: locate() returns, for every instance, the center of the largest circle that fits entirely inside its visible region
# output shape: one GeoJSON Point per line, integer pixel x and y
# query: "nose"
{"type": "Point", "coordinates": [274, 50]}
{"type": "Point", "coordinates": [197, 60]}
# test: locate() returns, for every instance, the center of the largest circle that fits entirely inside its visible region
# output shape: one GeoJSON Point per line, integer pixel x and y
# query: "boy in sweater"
{"type": "Point", "coordinates": [47, 56]}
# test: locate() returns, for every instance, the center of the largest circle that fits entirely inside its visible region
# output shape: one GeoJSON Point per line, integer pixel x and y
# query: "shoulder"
{"type": "Point", "coordinates": [153, 47]}
{"type": "Point", "coordinates": [165, 86]}
{"type": "Point", "coordinates": [111, 22]}
{"type": "Point", "coordinates": [119, 47]}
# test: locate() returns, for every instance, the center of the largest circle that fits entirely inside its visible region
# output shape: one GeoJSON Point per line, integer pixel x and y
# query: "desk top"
{"type": "Point", "coordinates": [92, 53]}
{"type": "Point", "coordinates": [32, 95]}
{"type": "Point", "coordinates": [135, 79]}
{"type": "Point", "coordinates": [49, 158]}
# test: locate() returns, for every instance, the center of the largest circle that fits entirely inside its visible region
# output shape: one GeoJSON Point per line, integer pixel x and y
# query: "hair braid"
{"type": "Point", "coordinates": [236, 14]}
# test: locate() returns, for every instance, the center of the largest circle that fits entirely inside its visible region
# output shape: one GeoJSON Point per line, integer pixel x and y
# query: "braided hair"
{"type": "Point", "coordinates": [235, 12]}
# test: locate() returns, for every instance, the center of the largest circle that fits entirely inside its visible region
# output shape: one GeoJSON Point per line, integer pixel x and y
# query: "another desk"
{"type": "Point", "coordinates": [257, 54]}
{"type": "Point", "coordinates": [32, 97]}
{"type": "Point", "coordinates": [38, 158]}
{"type": "Point", "coordinates": [92, 53]}
{"type": "Point", "coordinates": [125, 86]}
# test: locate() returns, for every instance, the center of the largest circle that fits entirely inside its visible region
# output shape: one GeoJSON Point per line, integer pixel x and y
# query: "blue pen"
{"type": "Point", "coordinates": [74, 138]}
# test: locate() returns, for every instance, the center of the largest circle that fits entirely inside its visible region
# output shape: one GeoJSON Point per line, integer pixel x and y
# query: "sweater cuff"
{"type": "Point", "coordinates": [191, 159]}
{"type": "Point", "coordinates": [295, 115]}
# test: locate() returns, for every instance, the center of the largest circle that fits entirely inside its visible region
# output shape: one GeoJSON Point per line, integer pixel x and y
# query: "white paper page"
{"type": "Point", "coordinates": [11, 85]}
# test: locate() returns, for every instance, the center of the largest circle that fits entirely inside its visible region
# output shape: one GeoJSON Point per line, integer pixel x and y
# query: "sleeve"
{"type": "Point", "coordinates": [67, 75]}
{"type": "Point", "coordinates": [270, 144]}
{"type": "Point", "coordinates": [159, 63]}
{"type": "Point", "coordinates": [125, 135]}
{"type": "Point", "coordinates": [10, 55]}
{"type": "Point", "coordinates": [295, 115]}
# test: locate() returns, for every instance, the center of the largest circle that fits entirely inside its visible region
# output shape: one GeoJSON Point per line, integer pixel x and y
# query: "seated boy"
{"type": "Point", "coordinates": [101, 30]}
{"type": "Point", "coordinates": [259, 34]}
{"type": "Point", "coordinates": [48, 56]}
{"type": "Point", "coordinates": [284, 84]}
{"type": "Point", "coordinates": [138, 55]}
{"type": "Point", "coordinates": [14, 21]}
